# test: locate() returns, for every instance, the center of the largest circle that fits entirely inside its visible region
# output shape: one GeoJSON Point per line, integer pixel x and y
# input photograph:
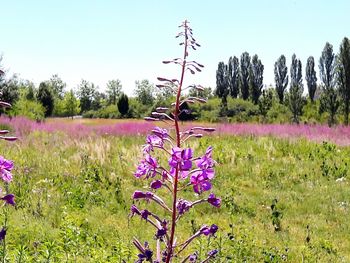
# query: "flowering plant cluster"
{"type": "Point", "coordinates": [6, 167]}
{"type": "Point", "coordinates": [183, 169]}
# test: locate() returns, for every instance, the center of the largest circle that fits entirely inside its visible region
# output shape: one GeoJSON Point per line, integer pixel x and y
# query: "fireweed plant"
{"type": "Point", "coordinates": [183, 169]}
{"type": "Point", "coordinates": [6, 167]}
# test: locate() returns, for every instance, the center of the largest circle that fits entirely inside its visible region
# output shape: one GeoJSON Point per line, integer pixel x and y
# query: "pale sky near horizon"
{"type": "Point", "coordinates": [103, 40]}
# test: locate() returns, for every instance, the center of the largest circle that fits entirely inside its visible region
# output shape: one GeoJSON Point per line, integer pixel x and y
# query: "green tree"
{"type": "Point", "coordinates": [221, 83]}
{"type": "Point", "coordinates": [256, 78]}
{"type": "Point", "coordinates": [296, 100]}
{"type": "Point", "coordinates": [123, 104]}
{"type": "Point", "coordinates": [86, 91]}
{"type": "Point", "coordinates": [57, 86]}
{"type": "Point", "coordinates": [206, 93]}
{"type": "Point", "coordinates": [265, 102]}
{"type": "Point", "coordinates": [233, 76]}
{"type": "Point", "coordinates": [45, 97]}
{"type": "Point", "coordinates": [9, 89]}
{"type": "Point", "coordinates": [329, 98]}
{"type": "Point", "coordinates": [71, 104]}
{"type": "Point", "coordinates": [144, 92]}
{"type": "Point", "coordinates": [281, 77]}
{"type": "Point", "coordinates": [244, 75]}
{"type": "Point", "coordinates": [344, 77]}
{"type": "Point", "coordinates": [114, 88]}
{"type": "Point", "coordinates": [310, 76]}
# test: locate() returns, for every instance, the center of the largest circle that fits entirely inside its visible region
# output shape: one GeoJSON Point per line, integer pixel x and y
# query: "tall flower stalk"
{"type": "Point", "coordinates": [182, 171]}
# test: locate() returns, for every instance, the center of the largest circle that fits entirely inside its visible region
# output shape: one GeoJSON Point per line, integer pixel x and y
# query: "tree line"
{"type": "Point", "coordinates": [239, 94]}
{"type": "Point", "coordinates": [243, 78]}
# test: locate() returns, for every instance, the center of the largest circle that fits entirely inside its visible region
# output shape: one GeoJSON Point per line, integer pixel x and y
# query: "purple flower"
{"type": "Point", "coordinates": [183, 206]}
{"type": "Point", "coordinates": [156, 184]}
{"type": "Point", "coordinates": [134, 210]}
{"type": "Point", "coordinates": [5, 169]}
{"type": "Point", "coordinates": [145, 213]}
{"type": "Point", "coordinates": [212, 253]}
{"type": "Point", "coordinates": [140, 195]}
{"type": "Point", "coordinates": [200, 182]}
{"type": "Point", "coordinates": [9, 199]}
{"type": "Point", "coordinates": [2, 233]}
{"type": "Point", "coordinates": [182, 157]}
{"type": "Point", "coordinates": [152, 141]}
{"type": "Point", "coordinates": [213, 200]}
{"type": "Point", "coordinates": [193, 257]}
{"type": "Point", "coordinates": [147, 255]}
{"type": "Point", "coordinates": [161, 233]}
{"type": "Point", "coordinates": [147, 167]}
{"type": "Point", "coordinates": [162, 133]}
{"type": "Point", "coordinates": [209, 230]}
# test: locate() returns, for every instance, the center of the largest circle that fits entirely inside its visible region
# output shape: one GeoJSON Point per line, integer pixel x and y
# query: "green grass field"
{"type": "Point", "coordinates": [73, 198]}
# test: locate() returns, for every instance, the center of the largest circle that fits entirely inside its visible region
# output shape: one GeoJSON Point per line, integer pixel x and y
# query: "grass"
{"type": "Point", "coordinates": [73, 199]}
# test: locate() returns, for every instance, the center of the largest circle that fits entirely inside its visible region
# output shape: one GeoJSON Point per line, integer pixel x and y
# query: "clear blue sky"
{"type": "Point", "coordinates": [103, 40]}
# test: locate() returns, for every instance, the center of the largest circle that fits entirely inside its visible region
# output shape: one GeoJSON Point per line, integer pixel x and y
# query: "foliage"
{"type": "Point", "coordinates": [329, 100]}
{"type": "Point", "coordinates": [296, 100]}
{"type": "Point", "coordinates": [28, 108]}
{"type": "Point", "coordinates": [144, 92]}
{"type": "Point", "coordinates": [265, 102]}
{"type": "Point", "coordinates": [71, 104]}
{"type": "Point", "coordinates": [45, 97]}
{"type": "Point", "coordinates": [244, 75]}
{"type": "Point", "coordinates": [256, 78]}
{"type": "Point", "coordinates": [343, 77]}
{"type": "Point", "coordinates": [240, 110]}
{"type": "Point", "coordinates": [233, 76]}
{"type": "Point", "coordinates": [86, 91]}
{"type": "Point", "coordinates": [310, 76]}
{"type": "Point", "coordinates": [113, 90]}
{"type": "Point", "coordinates": [281, 77]}
{"type": "Point", "coordinates": [57, 86]}
{"type": "Point", "coordinates": [222, 89]}
{"type": "Point", "coordinates": [9, 89]}
{"type": "Point", "coordinates": [123, 104]}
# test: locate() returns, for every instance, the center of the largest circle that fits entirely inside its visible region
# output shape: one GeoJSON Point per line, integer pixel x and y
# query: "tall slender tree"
{"type": "Point", "coordinates": [114, 88]}
{"type": "Point", "coordinates": [86, 91]}
{"type": "Point", "coordinates": [281, 77]}
{"type": "Point", "coordinates": [46, 98]}
{"type": "Point", "coordinates": [222, 90]}
{"type": "Point", "coordinates": [329, 99]}
{"type": "Point", "coordinates": [244, 75]}
{"type": "Point", "coordinates": [296, 100]}
{"type": "Point", "coordinates": [256, 78]}
{"type": "Point", "coordinates": [310, 76]}
{"type": "Point", "coordinates": [233, 76]}
{"type": "Point", "coordinates": [343, 77]}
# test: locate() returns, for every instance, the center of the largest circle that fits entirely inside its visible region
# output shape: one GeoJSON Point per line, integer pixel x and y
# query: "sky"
{"type": "Point", "coordinates": [128, 40]}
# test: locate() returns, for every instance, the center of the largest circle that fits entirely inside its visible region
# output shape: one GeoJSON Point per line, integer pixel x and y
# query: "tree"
{"type": "Point", "coordinates": [114, 88]}
{"type": "Point", "coordinates": [9, 89]}
{"type": "Point", "coordinates": [206, 93]}
{"type": "Point", "coordinates": [86, 91]}
{"type": "Point", "coordinates": [233, 76]}
{"type": "Point", "coordinates": [244, 75]}
{"type": "Point", "coordinates": [281, 77]}
{"type": "Point", "coordinates": [123, 104]}
{"type": "Point", "coordinates": [344, 77]}
{"type": "Point", "coordinates": [71, 104]}
{"type": "Point", "coordinates": [296, 100]}
{"type": "Point", "coordinates": [329, 99]}
{"type": "Point", "coordinates": [310, 76]}
{"type": "Point", "coordinates": [98, 99]}
{"type": "Point", "coordinates": [256, 79]}
{"type": "Point", "coordinates": [45, 97]}
{"type": "Point", "coordinates": [57, 86]}
{"type": "Point", "coordinates": [144, 92]}
{"type": "Point", "coordinates": [221, 83]}
{"type": "Point", "coordinates": [265, 102]}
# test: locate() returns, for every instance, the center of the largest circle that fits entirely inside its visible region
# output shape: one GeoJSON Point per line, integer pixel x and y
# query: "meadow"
{"type": "Point", "coordinates": [284, 188]}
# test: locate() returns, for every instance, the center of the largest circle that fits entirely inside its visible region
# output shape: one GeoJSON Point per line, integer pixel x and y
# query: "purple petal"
{"type": "Point", "coordinates": [156, 184]}
{"type": "Point", "coordinates": [9, 199]}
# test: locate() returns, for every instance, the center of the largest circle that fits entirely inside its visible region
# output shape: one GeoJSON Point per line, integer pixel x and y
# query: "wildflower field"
{"type": "Point", "coordinates": [284, 189]}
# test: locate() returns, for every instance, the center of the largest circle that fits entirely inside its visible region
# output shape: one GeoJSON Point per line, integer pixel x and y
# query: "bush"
{"type": "Point", "coordinates": [239, 110]}
{"type": "Point", "coordinates": [30, 109]}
